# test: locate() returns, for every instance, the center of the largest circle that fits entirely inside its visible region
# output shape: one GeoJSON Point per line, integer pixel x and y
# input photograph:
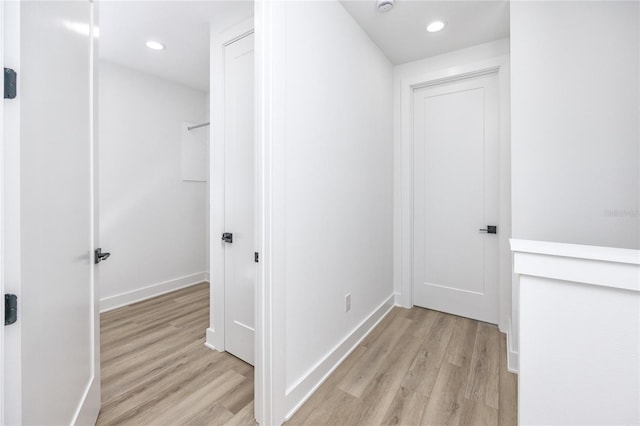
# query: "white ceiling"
{"type": "Point", "coordinates": [182, 26]}
{"type": "Point", "coordinates": [402, 36]}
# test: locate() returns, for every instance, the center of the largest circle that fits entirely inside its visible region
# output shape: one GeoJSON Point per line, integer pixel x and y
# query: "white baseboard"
{"type": "Point", "coordinates": [513, 356]}
{"type": "Point", "coordinates": [298, 393]}
{"type": "Point", "coordinates": [212, 341]}
{"type": "Point", "coordinates": [124, 299]}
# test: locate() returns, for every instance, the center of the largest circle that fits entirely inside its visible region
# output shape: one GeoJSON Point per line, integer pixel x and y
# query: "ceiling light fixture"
{"type": "Point", "coordinates": [385, 5]}
{"type": "Point", "coordinates": [435, 26]}
{"type": "Point", "coordinates": [155, 45]}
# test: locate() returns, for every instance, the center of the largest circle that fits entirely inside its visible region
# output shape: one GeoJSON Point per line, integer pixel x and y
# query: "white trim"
{"type": "Point", "coordinates": [89, 407]}
{"type": "Point", "coordinates": [11, 220]}
{"type": "Point", "coordinates": [217, 175]}
{"type": "Point", "coordinates": [605, 254]}
{"type": "Point", "coordinates": [299, 392]}
{"type": "Point", "coordinates": [2, 346]}
{"type": "Point", "coordinates": [513, 356]}
{"type": "Point", "coordinates": [270, 368]}
{"type": "Point", "coordinates": [600, 266]}
{"type": "Point", "coordinates": [153, 290]}
{"type": "Point", "coordinates": [407, 87]}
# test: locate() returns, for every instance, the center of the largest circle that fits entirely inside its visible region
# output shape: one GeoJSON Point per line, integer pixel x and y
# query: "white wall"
{"type": "Point", "coordinates": [153, 223]}
{"type": "Point", "coordinates": [575, 122]}
{"type": "Point", "coordinates": [332, 196]}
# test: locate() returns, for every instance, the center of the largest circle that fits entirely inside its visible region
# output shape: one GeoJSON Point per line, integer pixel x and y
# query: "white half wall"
{"type": "Point", "coordinates": [332, 195]}
{"type": "Point", "coordinates": [153, 222]}
{"type": "Point", "coordinates": [580, 334]}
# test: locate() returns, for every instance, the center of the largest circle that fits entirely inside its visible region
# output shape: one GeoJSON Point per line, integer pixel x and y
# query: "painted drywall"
{"type": "Point", "coordinates": [575, 122]}
{"type": "Point", "coordinates": [153, 222]}
{"type": "Point", "coordinates": [332, 195]}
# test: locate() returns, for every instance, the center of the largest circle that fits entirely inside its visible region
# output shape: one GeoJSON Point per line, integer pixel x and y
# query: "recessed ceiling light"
{"type": "Point", "coordinates": [435, 26]}
{"type": "Point", "coordinates": [155, 45]}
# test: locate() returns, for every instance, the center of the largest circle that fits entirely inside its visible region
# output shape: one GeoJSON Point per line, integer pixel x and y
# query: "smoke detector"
{"type": "Point", "coordinates": [385, 5]}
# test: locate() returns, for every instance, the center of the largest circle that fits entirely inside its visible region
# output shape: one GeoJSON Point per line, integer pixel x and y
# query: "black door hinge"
{"type": "Point", "coordinates": [10, 83]}
{"type": "Point", "coordinates": [99, 256]}
{"type": "Point", "coordinates": [10, 309]}
{"type": "Point", "coordinates": [256, 257]}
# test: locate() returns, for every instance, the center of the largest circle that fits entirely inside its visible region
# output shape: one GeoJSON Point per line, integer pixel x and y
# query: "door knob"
{"type": "Point", "coordinates": [227, 237]}
{"type": "Point", "coordinates": [490, 229]}
{"type": "Point", "coordinates": [99, 256]}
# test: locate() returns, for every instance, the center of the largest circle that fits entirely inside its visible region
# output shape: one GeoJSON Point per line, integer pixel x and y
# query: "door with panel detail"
{"type": "Point", "coordinates": [456, 162]}
{"type": "Point", "coordinates": [239, 266]}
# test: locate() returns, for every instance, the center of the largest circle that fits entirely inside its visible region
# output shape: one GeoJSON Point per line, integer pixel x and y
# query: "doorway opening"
{"type": "Point", "coordinates": [156, 138]}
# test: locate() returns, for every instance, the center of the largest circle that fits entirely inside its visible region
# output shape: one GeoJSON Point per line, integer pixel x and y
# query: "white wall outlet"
{"type": "Point", "coordinates": [347, 302]}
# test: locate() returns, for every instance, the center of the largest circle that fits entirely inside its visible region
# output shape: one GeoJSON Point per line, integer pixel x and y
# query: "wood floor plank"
{"type": "Point", "coordinates": [380, 395]}
{"type": "Point", "coordinates": [484, 376]}
{"type": "Point", "coordinates": [406, 408]}
{"type": "Point", "coordinates": [239, 398]}
{"type": "Point", "coordinates": [359, 377]}
{"type": "Point", "coordinates": [445, 403]}
{"type": "Point", "coordinates": [328, 388]}
{"type": "Point", "coordinates": [422, 373]}
{"type": "Point", "coordinates": [477, 413]}
{"type": "Point", "coordinates": [199, 399]}
{"type": "Point", "coordinates": [243, 418]}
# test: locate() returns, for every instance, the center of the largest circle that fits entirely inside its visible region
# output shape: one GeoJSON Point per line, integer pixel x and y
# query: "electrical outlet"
{"type": "Point", "coordinates": [347, 302]}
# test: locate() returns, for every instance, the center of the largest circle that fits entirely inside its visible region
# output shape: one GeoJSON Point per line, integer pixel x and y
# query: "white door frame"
{"type": "Point", "coordinates": [216, 331]}
{"type": "Point", "coordinates": [270, 366]}
{"type": "Point", "coordinates": [499, 65]}
{"type": "Point", "coordinates": [10, 195]}
{"type": "Point", "coordinates": [2, 216]}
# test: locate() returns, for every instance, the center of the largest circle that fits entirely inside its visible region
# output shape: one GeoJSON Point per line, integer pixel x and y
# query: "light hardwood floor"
{"type": "Point", "coordinates": [419, 367]}
{"type": "Point", "coordinates": [157, 371]}
{"type": "Point", "coordinates": [416, 367]}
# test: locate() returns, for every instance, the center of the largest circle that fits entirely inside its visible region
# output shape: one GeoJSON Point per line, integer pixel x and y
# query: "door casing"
{"type": "Point", "coordinates": [215, 336]}
{"type": "Point", "coordinates": [405, 243]}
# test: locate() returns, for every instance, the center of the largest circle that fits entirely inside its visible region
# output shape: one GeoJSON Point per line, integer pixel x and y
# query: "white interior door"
{"type": "Point", "coordinates": [58, 315]}
{"type": "Point", "coordinates": [456, 131]}
{"type": "Point", "coordinates": [240, 271]}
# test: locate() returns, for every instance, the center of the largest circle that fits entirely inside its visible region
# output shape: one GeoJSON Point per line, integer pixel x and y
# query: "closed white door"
{"type": "Point", "coordinates": [239, 261]}
{"type": "Point", "coordinates": [456, 131]}
{"type": "Point", "coordinates": [58, 314]}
